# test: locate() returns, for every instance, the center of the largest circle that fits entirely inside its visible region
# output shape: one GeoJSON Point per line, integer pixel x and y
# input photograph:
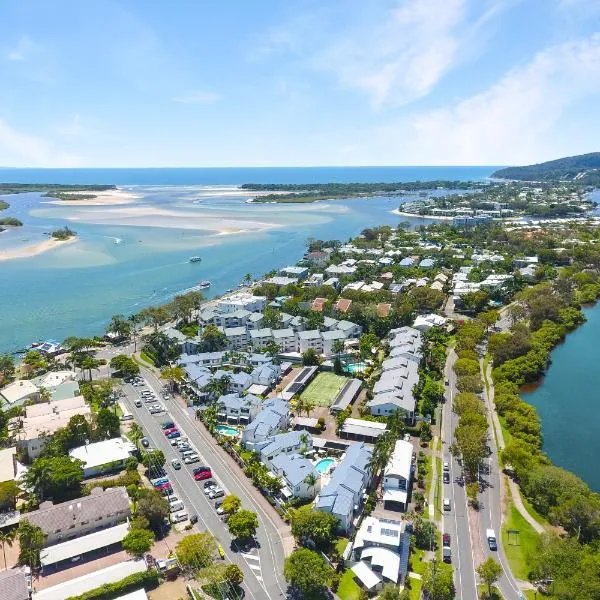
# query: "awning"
{"type": "Point", "coordinates": [400, 496]}
{"type": "Point", "coordinates": [369, 579]}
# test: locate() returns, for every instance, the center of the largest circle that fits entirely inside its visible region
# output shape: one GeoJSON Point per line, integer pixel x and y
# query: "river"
{"type": "Point", "coordinates": [568, 401]}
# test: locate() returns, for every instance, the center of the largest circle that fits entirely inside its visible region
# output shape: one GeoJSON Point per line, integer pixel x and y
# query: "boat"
{"type": "Point", "coordinates": [204, 284]}
{"type": "Point", "coordinates": [195, 258]}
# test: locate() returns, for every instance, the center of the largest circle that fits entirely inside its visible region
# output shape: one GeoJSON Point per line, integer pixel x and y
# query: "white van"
{"type": "Point", "coordinates": [179, 517]}
{"type": "Point", "coordinates": [176, 506]}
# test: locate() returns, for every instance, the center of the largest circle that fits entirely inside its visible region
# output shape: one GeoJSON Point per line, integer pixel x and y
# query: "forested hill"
{"type": "Point", "coordinates": [584, 168]}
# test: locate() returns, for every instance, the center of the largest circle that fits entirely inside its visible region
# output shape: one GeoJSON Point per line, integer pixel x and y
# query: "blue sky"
{"type": "Point", "coordinates": [302, 82]}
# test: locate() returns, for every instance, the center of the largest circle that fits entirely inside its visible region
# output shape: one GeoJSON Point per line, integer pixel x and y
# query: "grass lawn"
{"type": "Point", "coordinates": [534, 513]}
{"type": "Point", "coordinates": [340, 545]}
{"type": "Point", "coordinates": [415, 589]}
{"type": "Point", "coordinates": [521, 547]}
{"type": "Point", "coordinates": [417, 565]}
{"type": "Point", "coordinates": [348, 588]}
{"type": "Point", "coordinates": [438, 487]}
{"type": "Point", "coordinates": [323, 389]}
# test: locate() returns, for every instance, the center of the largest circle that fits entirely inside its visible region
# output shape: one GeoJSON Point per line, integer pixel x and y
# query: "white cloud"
{"type": "Point", "coordinates": [19, 149]}
{"type": "Point", "coordinates": [23, 50]}
{"type": "Point", "coordinates": [515, 120]}
{"type": "Point", "coordinates": [197, 97]}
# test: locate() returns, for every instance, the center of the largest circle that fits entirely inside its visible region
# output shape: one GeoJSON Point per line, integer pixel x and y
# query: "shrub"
{"type": "Point", "coordinates": [109, 591]}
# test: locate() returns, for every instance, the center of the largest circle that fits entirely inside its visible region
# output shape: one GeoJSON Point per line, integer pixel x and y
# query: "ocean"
{"type": "Point", "coordinates": [135, 255]}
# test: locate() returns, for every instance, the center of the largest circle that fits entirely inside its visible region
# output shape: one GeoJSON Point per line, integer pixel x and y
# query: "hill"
{"type": "Point", "coordinates": [584, 168]}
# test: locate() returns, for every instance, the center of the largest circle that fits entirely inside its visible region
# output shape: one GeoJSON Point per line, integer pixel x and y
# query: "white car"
{"type": "Point", "coordinates": [179, 517]}
{"type": "Point", "coordinates": [447, 504]}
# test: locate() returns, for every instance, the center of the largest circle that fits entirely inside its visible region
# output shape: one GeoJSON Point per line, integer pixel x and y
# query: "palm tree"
{"type": "Point", "coordinates": [248, 278]}
{"type": "Point", "coordinates": [7, 536]}
{"type": "Point", "coordinates": [311, 480]}
{"type": "Point", "coordinates": [134, 320]}
{"type": "Point", "coordinates": [338, 347]}
{"type": "Point", "coordinates": [89, 363]}
{"type": "Point", "coordinates": [309, 405]}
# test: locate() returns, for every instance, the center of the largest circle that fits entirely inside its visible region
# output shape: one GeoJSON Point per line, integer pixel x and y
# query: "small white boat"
{"type": "Point", "coordinates": [204, 284]}
{"type": "Point", "coordinates": [194, 259]}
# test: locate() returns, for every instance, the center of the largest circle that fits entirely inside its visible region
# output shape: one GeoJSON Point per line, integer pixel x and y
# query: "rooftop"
{"type": "Point", "coordinates": [18, 390]}
{"type": "Point", "coordinates": [8, 467]}
{"type": "Point", "coordinates": [13, 585]}
{"type": "Point", "coordinates": [100, 453]}
{"type": "Point", "coordinates": [400, 462]}
{"type": "Point", "coordinates": [361, 427]}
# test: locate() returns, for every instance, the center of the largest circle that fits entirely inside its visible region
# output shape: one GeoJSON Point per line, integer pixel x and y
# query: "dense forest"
{"type": "Point", "coordinates": [585, 168]}
{"type": "Point", "coordinates": [311, 192]}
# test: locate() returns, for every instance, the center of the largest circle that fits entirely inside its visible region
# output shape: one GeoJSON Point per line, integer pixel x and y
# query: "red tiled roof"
{"type": "Point", "coordinates": [383, 310]}
{"type": "Point", "coordinates": [343, 305]}
{"type": "Point", "coordinates": [318, 304]}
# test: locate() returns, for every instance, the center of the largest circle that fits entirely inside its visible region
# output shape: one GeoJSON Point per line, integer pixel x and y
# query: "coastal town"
{"type": "Point", "coordinates": [347, 425]}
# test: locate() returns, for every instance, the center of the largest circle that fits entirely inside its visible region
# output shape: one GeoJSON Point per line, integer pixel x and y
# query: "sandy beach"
{"type": "Point", "coordinates": [107, 198]}
{"type": "Point", "coordinates": [35, 249]}
{"type": "Point", "coordinates": [414, 216]}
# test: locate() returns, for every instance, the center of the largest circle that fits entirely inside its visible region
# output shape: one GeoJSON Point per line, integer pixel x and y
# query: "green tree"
{"type": "Point", "coordinates": [196, 551]}
{"type": "Point", "coordinates": [7, 537]}
{"type": "Point", "coordinates": [243, 524]}
{"type": "Point", "coordinates": [31, 541]}
{"type": "Point", "coordinates": [271, 318]}
{"type": "Point", "coordinates": [432, 394]}
{"type": "Point", "coordinates": [184, 305]}
{"type": "Point", "coordinates": [317, 525]}
{"type": "Point", "coordinates": [490, 572]}
{"type": "Point", "coordinates": [438, 582]}
{"type": "Point", "coordinates": [107, 424]}
{"type": "Point", "coordinates": [308, 572]}
{"type": "Point", "coordinates": [154, 458]}
{"type": "Point", "coordinates": [389, 591]}
{"type": "Point", "coordinates": [366, 344]}
{"type": "Point", "coordinates": [173, 375]}
{"type": "Point", "coordinates": [125, 365]}
{"type": "Point", "coordinates": [425, 533]}
{"type": "Point", "coordinates": [271, 348]}
{"type": "Point", "coordinates": [9, 491]}
{"type": "Point", "coordinates": [137, 542]}
{"type": "Point", "coordinates": [234, 575]}
{"type": "Point", "coordinates": [213, 339]}
{"type": "Point", "coordinates": [231, 504]}
{"type": "Point", "coordinates": [154, 507]}
{"type": "Point", "coordinates": [7, 367]}
{"type": "Point", "coordinates": [119, 326]}
{"type": "Point", "coordinates": [56, 477]}
{"type": "Point", "coordinates": [310, 358]}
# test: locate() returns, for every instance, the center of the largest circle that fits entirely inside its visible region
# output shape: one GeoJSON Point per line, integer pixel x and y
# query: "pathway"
{"type": "Point", "coordinates": [514, 488]}
{"type": "Point", "coordinates": [434, 475]}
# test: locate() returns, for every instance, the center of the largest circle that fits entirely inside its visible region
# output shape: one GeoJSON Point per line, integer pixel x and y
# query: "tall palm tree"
{"type": "Point", "coordinates": [134, 320]}
{"type": "Point", "coordinates": [7, 537]}
{"type": "Point", "coordinates": [311, 480]}
{"type": "Point", "coordinates": [309, 405]}
{"type": "Point", "coordinates": [248, 278]}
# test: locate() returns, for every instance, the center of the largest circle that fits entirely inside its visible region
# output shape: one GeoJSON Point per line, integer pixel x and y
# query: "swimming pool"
{"type": "Point", "coordinates": [355, 368]}
{"type": "Point", "coordinates": [323, 465]}
{"type": "Point", "coordinates": [226, 430]}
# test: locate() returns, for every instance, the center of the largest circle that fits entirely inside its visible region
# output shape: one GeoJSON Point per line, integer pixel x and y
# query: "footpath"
{"type": "Point", "coordinates": [495, 421]}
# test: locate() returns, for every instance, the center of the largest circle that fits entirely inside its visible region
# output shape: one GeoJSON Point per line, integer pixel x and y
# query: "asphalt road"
{"type": "Point", "coordinates": [456, 521]}
{"type": "Point", "coordinates": [262, 564]}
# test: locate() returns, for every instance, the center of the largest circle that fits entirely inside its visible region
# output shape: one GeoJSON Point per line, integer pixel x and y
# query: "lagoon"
{"type": "Point", "coordinates": [568, 401]}
{"type": "Point", "coordinates": [135, 255]}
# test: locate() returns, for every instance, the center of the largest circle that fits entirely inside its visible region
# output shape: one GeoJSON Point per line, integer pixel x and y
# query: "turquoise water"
{"type": "Point", "coordinates": [355, 368]}
{"type": "Point", "coordinates": [567, 401]}
{"type": "Point", "coordinates": [74, 290]}
{"type": "Point", "coordinates": [226, 430]}
{"type": "Point", "coordinates": [324, 465]}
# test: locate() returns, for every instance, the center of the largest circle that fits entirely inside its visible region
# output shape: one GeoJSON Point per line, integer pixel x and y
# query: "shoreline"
{"type": "Point", "coordinates": [107, 198]}
{"type": "Point", "coordinates": [35, 249]}
{"type": "Point", "coordinates": [400, 213]}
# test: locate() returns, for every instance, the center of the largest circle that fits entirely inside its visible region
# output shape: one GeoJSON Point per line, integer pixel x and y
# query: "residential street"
{"type": "Point", "coordinates": [263, 564]}
{"type": "Point", "coordinates": [456, 521]}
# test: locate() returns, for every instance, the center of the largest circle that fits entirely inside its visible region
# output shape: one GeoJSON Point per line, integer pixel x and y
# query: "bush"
{"type": "Point", "coordinates": [128, 478]}
{"type": "Point", "coordinates": [108, 591]}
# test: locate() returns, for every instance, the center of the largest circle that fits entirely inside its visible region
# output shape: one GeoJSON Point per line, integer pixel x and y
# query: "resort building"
{"type": "Point", "coordinates": [300, 478]}
{"type": "Point", "coordinates": [241, 300]}
{"type": "Point", "coordinates": [237, 337]}
{"type": "Point", "coordinates": [426, 322]}
{"type": "Point", "coordinates": [310, 339]}
{"type": "Point", "coordinates": [295, 272]}
{"type": "Point", "coordinates": [329, 338]}
{"type": "Point", "coordinates": [261, 337]}
{"type": "Point", "coordinates": [238, 409]}
{"type": "Point", "coordinates": [103, 457]}
{"type": "Point", "coordinates": [14, 585]}
{"type": "Point", "coordinates": [42, 420]}
{"type": "Point", "coordinates": [342, 495]}
{"type": "Point", "coordinates": [18, 392]}
{"type": "Point", "coordinates": [397, 477]}
{"type": "Point", "coordinates": [286, 340]}
{"type": "Point", "coordinates": [102, 509]}
{"type": "Point", "coordinates": [267, 375]}
{"type": "Point", "coordinates": [290, 442]}
{"type": "Point", "coordinates": [273, 417]}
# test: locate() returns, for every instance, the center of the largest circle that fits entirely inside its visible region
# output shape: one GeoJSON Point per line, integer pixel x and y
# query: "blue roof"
{"type": "Point", "coordinates": [407, 262]}
{"type": "Point", "coordinates": [284, 440]}
{"type": "Point", "coordinates": [233, 401]}
{"type": "Point", "coordinates": [295, 468]}
{"type": "Point", "coordinates": [268, 419]}
{"type": "Point", "coordinates": [427, 262]}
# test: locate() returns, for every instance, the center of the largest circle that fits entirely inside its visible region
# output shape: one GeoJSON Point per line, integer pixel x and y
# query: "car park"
{"type": "Point", "coordinates": [176, 463]}
{"type": "Point", "coordinates": [155, 472]}
{"type": "Point", "coordinates": [220, 510]}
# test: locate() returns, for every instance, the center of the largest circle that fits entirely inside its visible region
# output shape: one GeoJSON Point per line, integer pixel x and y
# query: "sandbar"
{"type": "Point", "coordinates": [35, 249]}
{"type": "Point", "coordinates": [106, 198]}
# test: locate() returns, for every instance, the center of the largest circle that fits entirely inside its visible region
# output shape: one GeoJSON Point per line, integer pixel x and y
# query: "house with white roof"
{"type": "Point", "coordinates": [337, 270]}
{"type": "Point", "coordinates": [426, 322]}
{"type": "Point", "coordinates": [397, 477]}
{"type": "Point", "coordinates": [242, 300]}
{"type": "Point", "coordinates": [349, 328]}
{"type": "Point", "coordinates": [19, 391]}
{"type": "Point", "coordinates": [103, 457]}
{"type": "Point", "coordinates": [295, 271]}
{"type": "Point", "coordinates": [267, 375]}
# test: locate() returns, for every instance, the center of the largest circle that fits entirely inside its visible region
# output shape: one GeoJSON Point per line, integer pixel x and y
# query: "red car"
{"type": "Point", "coordinates": [200, 475]}
{"type": "Point", "coordinates": [171, 430]}
{"type": "Point", "coordinates": [163, 486]}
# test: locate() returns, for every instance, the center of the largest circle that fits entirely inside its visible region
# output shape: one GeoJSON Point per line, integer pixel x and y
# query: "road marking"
{"type": "Point", "coordinates": [254, 567]}
{"type": "Point", "coordinates": [251, 556]}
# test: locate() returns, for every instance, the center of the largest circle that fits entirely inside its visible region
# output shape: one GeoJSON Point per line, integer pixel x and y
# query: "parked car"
{"type": "Point", "coordinates": [138, 403]}
{"type": "Point", "coordinates": [179, 517]}
{"type": "Point", "coordinates": [206, 483]}
{"type": "Point", "coordinates": [201, 475]}
{"type": "Point", "coordinates": [491, 539]}
{"type": "Point", "coordinates": [446, 548]}
{"type": "Point", "coordinates": [446, 466]}
{"type": "Point", "coordinates": [145, 442]}
{"type": "Point", "coordinates": [167, 491]}
{"type": "Point", "coordinates": [216, 493]}
{"type": "Point", "coordinates": [192, 458]}
{"type": "Point", "coordinates": [167, 424]}
{"type": "Point", "coordinates": [163, 486]}
{"type": "Point", "coordinates": [176, 464]}
{"type": "Point", "coordinates": [220, 510]}
{"type": "Point", "coordinates": [184, 447]}
{"type": "Point", "coordinates": [446, 477]}
{"type": "Point", "coordinates": [159, 480]}
{"type": "Point", "coordinates": [210, 488]}
{"type": "Point", "coordinates": [172, 499]}
{"type": "Point", "coordinates": [174, 434]}
{"type": "Point", "coordinates": [447, 505]}
{"type": "Point", "coordinates": [176, 506]}
{"type": "Point", "coordinates": [193, 519]}
{"type": "Point", "coordinates": [169, 430]}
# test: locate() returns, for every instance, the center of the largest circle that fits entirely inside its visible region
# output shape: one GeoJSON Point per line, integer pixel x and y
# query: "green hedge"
{"type": "Point", "coordinates": [108, 591]}
{"type": "Point", "coordinates": [128, 478]}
